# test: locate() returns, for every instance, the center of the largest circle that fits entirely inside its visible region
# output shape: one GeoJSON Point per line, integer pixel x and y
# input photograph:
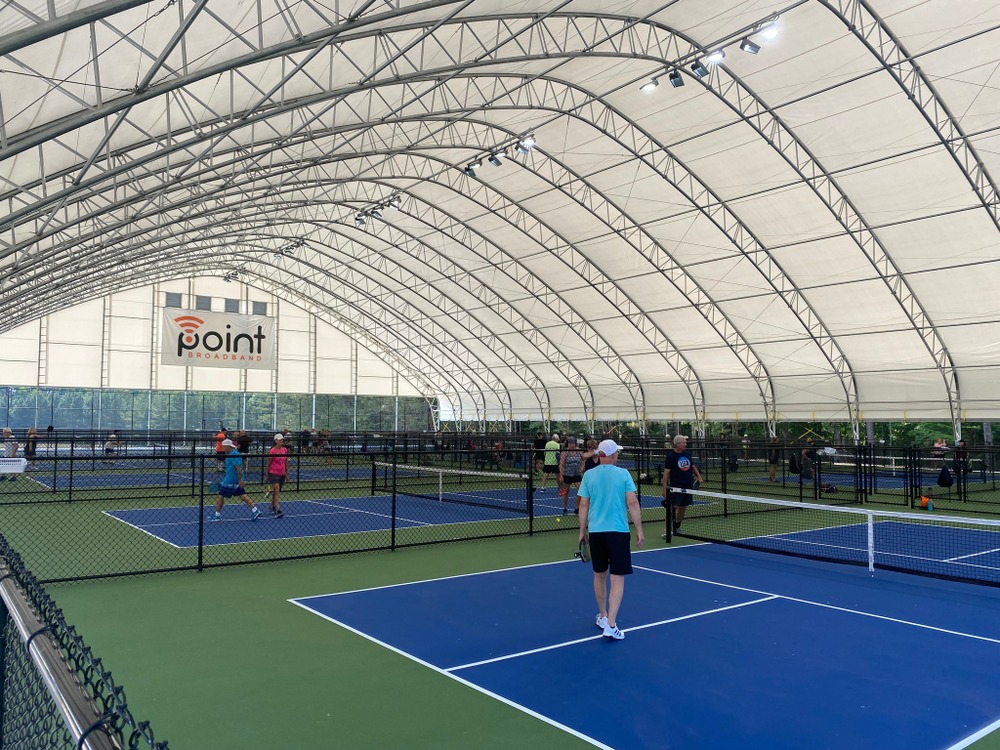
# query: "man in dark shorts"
{"type": "Point", "coordinates": [607, 498]}
{"type": "Point", "coordinates": [539, 446]}
{"type": "Point", "coordinates": [679, 473]}
{"type": "Point", "coordinates": [232, 484]}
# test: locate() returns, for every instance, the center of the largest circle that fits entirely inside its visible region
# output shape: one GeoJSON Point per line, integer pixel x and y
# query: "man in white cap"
{"type": "Point", "coordinates": [607, 497]}
{"type": "Point", "coordinates": [277, 472]}
{"type": "Point", "coordinates": [232, 483]}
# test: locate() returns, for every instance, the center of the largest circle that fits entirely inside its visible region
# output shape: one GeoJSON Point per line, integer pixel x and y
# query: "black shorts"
{"type": "Point", "coordinates": [231, 490]}
{"type": "Point", "coordinates": [682, 498]}
{"type": "Point", "coordinates": [550, 469]}
{"type": "Point", "coordinates": [611, 549]}
{"type": "Point", "coordinates": [571, 479]}
{"type": "Point", "coordinates": [278, 479]}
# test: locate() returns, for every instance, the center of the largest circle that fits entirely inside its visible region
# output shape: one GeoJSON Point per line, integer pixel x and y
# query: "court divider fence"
{"type": "Point", "coordinates": [81, 512]}
{"type": "Point", "coordinates": [54, 692]}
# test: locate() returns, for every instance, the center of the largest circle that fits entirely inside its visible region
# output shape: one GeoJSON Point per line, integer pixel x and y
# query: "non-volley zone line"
{"type": "Point", "coordinates": [598, 637]}
{"type": "Point", "coordinates": [178, 526]}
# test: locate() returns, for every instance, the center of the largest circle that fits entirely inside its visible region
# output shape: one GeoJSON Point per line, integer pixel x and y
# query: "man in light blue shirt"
{"type": "Point", "coordinates": [607, 498]}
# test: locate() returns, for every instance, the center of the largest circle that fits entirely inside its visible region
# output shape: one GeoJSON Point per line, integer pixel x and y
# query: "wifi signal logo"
{"type": "Point", "coordinates": [189, 324]}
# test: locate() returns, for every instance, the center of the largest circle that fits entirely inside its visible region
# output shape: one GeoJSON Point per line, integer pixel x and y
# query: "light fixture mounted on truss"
{"type": "Point", "coordinates": [522, 145]}
{"type": "Point", "coordinates": [376, 211]}
{"type": "Point", "coordinates": [701, 61]}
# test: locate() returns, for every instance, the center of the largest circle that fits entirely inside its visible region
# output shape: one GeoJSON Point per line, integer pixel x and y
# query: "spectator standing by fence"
{"type": "Point", "coordinates": [773, 459]}
{"type": "Point", "coordinates": [31, 447]}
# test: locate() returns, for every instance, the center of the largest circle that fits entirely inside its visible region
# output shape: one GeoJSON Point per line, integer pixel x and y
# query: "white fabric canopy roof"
{"type": "Point", "coordinates": [812, 232]}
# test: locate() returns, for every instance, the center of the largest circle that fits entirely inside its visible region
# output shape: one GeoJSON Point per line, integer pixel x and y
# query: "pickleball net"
{"type": "Point", "coordinates": [925, 543]}
{"type": "Point", "coordinates": [504, 491]}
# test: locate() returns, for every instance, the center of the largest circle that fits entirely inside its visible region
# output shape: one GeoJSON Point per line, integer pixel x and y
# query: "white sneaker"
{"type": "Point", "coordinates": [612, 631]}
{"type": "Point", "coordinates": [602, 622]}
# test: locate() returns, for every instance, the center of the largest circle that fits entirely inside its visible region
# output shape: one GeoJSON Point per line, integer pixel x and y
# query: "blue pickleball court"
{"type": "Point", "coordinates": [178, 526]}
{"type": "Point", "coordinates": [724, 648]}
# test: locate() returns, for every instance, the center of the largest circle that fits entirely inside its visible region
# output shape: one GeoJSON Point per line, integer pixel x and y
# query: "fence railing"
{"type": "Point", "coordinates": [54, 692]}
{"type": "Point", "coordinates": [88, 513]}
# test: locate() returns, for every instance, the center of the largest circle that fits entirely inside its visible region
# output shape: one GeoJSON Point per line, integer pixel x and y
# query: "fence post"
{"type": "Point", "coordinates": [393, 538]}
{"type": "Point", "coordinates": [201, 518]}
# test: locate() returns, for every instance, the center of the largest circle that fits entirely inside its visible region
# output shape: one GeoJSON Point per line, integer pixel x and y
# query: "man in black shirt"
{"type": "Point", "coordinates": [679, 473]}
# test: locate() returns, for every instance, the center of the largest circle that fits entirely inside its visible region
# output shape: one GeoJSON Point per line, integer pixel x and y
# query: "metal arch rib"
{"type": "Point", "coordinates": [466, 368]}
{"type": "Point", "coordinates": [797, 155]}
{"type": "Point", "coordinates": [409, 281]}
{"type": "Point", "coordinates": [425, 335]}
{"type": "Point", "coordinates": [862, 21]}
{"type": "Point", "coordinates": [602, 349]}
{"type": "Point", "coordinates": [474, 53]}
{"type": "Point", "coordinates": [137, 275]}
{"type": "Point", "coordinates": [580, 190]}
{"type": "Point", "coordinates": [543, 93]}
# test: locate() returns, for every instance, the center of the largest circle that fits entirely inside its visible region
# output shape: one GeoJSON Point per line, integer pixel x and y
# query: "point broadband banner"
{"type": "Point", "coordinates": [197, 338]}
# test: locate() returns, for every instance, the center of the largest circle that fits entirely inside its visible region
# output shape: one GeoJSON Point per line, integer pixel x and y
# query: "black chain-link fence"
{"type": "Point", "coordinates": [55, 692]}
{"type": "Point", "coordinates": [85, 510]}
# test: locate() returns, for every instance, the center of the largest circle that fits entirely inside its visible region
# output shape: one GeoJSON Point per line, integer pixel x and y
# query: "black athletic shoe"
{"type": "Point", "coordinates": [278, 514]}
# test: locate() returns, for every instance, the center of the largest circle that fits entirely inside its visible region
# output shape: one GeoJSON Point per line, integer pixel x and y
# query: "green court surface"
{"type": "Point", "coordinates": [220, 659]}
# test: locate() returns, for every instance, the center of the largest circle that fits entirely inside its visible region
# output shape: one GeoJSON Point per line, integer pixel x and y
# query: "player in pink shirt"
{"type": "Point", "coordinates": [277, 472]}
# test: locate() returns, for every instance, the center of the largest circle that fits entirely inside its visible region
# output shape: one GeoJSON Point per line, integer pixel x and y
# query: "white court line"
{"type": "Point", "coordinates": [458, 679]}
{"type": "Point", "coordinates": [596, 637]}
{"type": "Point", "coordinates": [144, 531]}
{"type": "Point", "coordinates": [977, 736]}
{"type": "Point", "coordinates": [480, 573]}
{"type": "Point", "coordinates": [974, 554]}
{"type": "Point", "coordinates": [194, 521]}
{"type": "Point", "coordinates": [822, 605]}
{"type": "Point", "coordinates": [326, 504]}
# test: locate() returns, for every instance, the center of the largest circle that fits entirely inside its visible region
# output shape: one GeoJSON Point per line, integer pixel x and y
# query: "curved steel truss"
{"type": "Point", "coordinates": [626, 254]}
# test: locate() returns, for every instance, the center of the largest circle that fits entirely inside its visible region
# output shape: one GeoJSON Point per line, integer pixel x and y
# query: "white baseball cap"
{"type": "Point", "coordinates": [555, 435]}
{"type": "Point", "coordinates": [229, 443]}
{"type": "Point", "coordinates": [608, 448]}
{"type": "Point", "coordinates": [279, 436]}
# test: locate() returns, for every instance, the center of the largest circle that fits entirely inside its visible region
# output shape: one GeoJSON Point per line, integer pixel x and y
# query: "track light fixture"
{"type": "Point", "coordinates": [701, 61]}
{"type": "Point", "coordinates": [469, 170]}
{"type": "Point", "coordinates": [526, 144]}
{"type": "Point", "coordinates": [497, 156]}
{"type": "Point", "coordinates": [699, 69]}
{"type": "Point", "coordinates": [375, 212]}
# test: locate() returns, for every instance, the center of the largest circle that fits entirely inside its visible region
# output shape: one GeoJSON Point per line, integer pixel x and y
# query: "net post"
{"type": "Point", "coordinates": [374, 476]}
{"type": "Point", "coordinates": [201, 518]}
{"type": "Point", "coordinates": [871, 542]}
{"type": "Point", "coordinates": [669, 521]}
